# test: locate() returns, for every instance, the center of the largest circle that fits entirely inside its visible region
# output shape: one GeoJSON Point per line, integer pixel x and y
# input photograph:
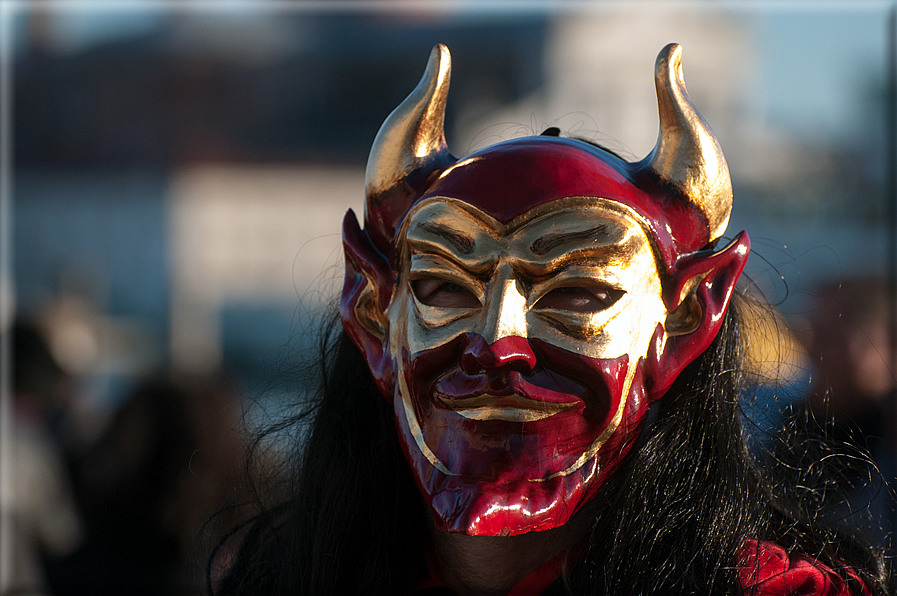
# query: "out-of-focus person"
{"type": "Point", "coordinates": [851, 349]}
{"type": "Point", "coordinates": [38, 504]}
{"type": "Point", "coordinates": [166, 463]}
{"type": "Point", "coordinates": [851, 402]}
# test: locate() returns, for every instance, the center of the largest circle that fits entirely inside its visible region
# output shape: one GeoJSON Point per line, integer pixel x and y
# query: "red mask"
{"type": "Point", "coordinates": [522, 307]}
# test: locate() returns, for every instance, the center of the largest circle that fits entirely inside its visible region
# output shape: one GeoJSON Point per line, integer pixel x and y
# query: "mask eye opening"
{"type": "Point", "coordinates": [443, 293]}
{"type": "Point", "coordinates": [580, 298]}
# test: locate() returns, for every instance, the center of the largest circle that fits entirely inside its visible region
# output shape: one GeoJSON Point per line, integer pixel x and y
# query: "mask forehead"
{"type": "Point", "coordinates": [509, 179]}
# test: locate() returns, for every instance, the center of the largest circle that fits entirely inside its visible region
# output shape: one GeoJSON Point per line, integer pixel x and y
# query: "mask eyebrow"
{"type": "Point", "coordinates": [548, 242]}
{"type": "Point", "coordinates": [464, 243]}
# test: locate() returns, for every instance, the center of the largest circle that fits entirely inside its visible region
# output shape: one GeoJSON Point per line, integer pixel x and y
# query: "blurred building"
{"type": "Point", "coordinates": [192, 176]}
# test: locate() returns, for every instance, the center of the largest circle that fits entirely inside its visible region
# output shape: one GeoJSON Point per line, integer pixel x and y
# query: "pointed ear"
{"type": "Point", "coordinates": [696, 300]}
{"type": "Point", "coordinates": [367, 289]}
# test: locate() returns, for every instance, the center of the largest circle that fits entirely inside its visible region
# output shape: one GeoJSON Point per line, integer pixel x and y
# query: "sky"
{"type": "Point", "coordinates": [853, 39]}
{"type": "Point", "coordinates": [789, 37]}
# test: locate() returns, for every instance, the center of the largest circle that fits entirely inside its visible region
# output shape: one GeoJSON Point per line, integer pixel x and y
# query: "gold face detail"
{"type": "Point", "coordinates": [580, 275]}
{"type": "Point", "coordinates": [484, 313]}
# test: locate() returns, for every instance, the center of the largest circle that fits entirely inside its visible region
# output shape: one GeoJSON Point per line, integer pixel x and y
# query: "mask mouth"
{"type": "Point", "coordinates": [510, 397]}
{"type": "Point", "coordinates": [510, 408]}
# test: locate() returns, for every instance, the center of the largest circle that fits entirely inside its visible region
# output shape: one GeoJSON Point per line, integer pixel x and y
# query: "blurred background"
{"type": "Point", "coordinates": [180, 172]}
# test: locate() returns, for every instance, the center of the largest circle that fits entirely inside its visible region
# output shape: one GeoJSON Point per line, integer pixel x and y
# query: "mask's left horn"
{"type": "Point", "coordinates": [687, 155]}
{"type": "Point", "coordinates": [409, 151]}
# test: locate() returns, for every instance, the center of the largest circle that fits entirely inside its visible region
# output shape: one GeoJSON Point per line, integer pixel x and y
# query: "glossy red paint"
{"type": "Point", "coordinates": [512, 477]}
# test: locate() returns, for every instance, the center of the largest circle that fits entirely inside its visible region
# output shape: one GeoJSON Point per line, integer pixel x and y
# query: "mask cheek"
{"type": "Point", "coordinates": [423, 368]}
{"type": "Point", "coordinates": [615, 407]}
{"type": "Point", "coordinates": [419, 328]}
{"type": "Point", "coordinates": [602, 379]}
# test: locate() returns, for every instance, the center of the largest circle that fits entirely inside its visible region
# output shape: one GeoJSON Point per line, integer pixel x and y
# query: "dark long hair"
{"type": "Point", "coordinates": [671, 521]}
{"type": "Point", "coordinates": [349, 518]}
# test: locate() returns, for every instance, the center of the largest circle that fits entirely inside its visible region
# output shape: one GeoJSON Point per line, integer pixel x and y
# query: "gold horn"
{"type": "Point", "coordinates": [411, 141]}
{"type": "Point", "coordinates": [687, 155]}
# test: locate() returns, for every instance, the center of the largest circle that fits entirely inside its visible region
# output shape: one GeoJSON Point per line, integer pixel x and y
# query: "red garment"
{"type": "Point", "coordinates": [768, 570]}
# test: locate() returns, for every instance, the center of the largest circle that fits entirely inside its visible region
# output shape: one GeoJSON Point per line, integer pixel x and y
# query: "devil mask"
{"type": "Point", "coordinates": [520, 308]}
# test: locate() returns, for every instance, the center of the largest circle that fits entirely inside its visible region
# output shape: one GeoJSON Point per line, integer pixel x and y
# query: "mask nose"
{"type": "Point", "coordinates": [505, 311]}
{"type": "Point", "coordinates": [503, 346]}
{"type": "Point", "coordinates": [506, 354]}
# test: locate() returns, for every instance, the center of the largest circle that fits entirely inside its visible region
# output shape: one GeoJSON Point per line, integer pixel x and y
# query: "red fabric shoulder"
{"type": "Point", "coordinates": [766, 569]}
